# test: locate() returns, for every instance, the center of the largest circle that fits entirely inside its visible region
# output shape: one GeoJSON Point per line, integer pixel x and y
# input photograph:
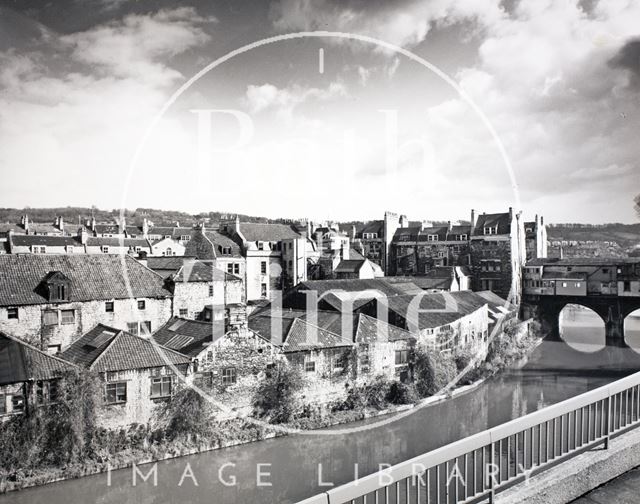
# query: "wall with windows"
{"type": "Point", "coordinates": [388, 358]}
{"type": "Point", "coordinates": [54, 326]}
{"type": "Point", "coordinates": [132, 396]}
{"type": "Point", "coordinates": [326, 371]}
{"type": "Point", "coordinates": [233, 368]}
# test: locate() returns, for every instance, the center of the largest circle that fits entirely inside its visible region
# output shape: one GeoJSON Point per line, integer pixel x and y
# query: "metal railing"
{"type": "Point", "coordinates": [475, 468]}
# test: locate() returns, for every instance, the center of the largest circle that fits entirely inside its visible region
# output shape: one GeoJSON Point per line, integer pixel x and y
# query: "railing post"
{"type": "Point", "coordinates": [492, 461]}
{"type": "Point", "coordinates": [608, 423]}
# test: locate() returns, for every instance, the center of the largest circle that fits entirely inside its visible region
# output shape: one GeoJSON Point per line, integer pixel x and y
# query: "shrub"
{"type": "Point", "coordinates": [375, 393]}
{"type": "Point", "coordinates": [433, 371]}
{"type": "Point", "coordinates": [276, 397]}
{"type": "Point", "coordinates": [188, 413]}
{"type": "Point", "coordinates": [401, 393]}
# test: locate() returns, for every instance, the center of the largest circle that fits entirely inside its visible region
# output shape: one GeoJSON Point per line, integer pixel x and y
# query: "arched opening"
{"type": "Point", "coordinates": [581, 328]}
{"type": "Point", "coordinates": [632, 330]}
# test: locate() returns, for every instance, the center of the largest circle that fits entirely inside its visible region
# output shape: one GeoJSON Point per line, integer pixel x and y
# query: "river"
{"type": "Point", "coordinates": [292, 465]}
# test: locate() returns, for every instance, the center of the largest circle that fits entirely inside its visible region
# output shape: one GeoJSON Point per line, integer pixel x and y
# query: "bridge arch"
{"type": "Point", "coordinates": [581, 327]}
{"type": "Point", "coordinates": [632, 330]}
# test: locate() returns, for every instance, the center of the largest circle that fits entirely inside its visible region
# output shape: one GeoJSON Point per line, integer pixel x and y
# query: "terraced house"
{"type": "Point", "coordinates": [49, 301]}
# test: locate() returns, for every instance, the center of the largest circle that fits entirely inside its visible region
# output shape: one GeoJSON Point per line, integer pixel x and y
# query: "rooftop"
{"type": "Point", "coordinates": [107, 349]}
{"type": "Point", "coordinates": [92, 276]}
{"type": "Point", "coordinates": [253, 231]}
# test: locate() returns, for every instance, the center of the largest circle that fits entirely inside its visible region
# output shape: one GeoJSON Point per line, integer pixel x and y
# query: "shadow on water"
{"type": "Point", "coordinates": [295, 464]}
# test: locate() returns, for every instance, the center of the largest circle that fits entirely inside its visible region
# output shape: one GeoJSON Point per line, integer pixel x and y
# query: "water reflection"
{"type": "Point", "coordinates": [582, 328]}
{"type": "Point", "coordinates": [295, 464]}
{"type": "Point", "coordinates": [632, 330]}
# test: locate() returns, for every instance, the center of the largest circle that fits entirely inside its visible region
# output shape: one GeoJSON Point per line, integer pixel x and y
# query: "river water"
{"type": "Point", "coordinates": [293, 465]}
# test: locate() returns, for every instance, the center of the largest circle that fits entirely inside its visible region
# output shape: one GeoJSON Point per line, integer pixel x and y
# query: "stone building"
{"type": "Point", "coordinates": [229, 363]}
{"type": "Point", "coordinates": [383, 350]}
{"type": "Point", "coordinates": [198, 284]}
{"type": "Point", "coordinates": [369, 240]}
{"type": "Point", "coordinates": [28, 376]}
{"type": "Point", "coordinates": [50, 300]}
{"type": "Point", "coordinates": [43, 244]}
{"type": "Point", "coordinates": [357, 269]}
{"type": "Point", "coordinates": [498, 253]}
{"type": "Point", "coordinates": [536, 238]}
{"type": "Point", "coordinates": [167, 247]}
{"type": "Point", "coordinates": [138, 375]}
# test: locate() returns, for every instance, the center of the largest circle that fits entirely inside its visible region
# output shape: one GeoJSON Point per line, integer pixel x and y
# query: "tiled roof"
{"type": "Point", "coordinates": [46, 240]}
{"type": "Point", "coordinates": [107, 229]}
{"type": "Point", "coordinates": [304, 336]}
{"type": "Point", "coordinates": [220, 241]}
{"type": "Point", "coordinates": [254, 231]}
{"type": "Point", "coordinates": [21, 362]}
{"type": "Point", "coordinates": [371, 330]}
{"type": "Point", "coordinates": [189, 337]}
{"type": "Point", "coordinates": [43, 227]}
{"type": "Point", "coordinates": [442, 308]}
{"type": "Point", "coordinates": [501, 220]}
{"type": "Point", "coordinates": [108, 349]}
{"type": "Point", "coordinates": [373, 227]}
{"type": "Point", "coordinates": [98, 241]}
{"type": "Point", "coordinates": [166, 262]}
{"type": "Point", "coordinates": [199, 271]}
{"type": "Point", "coordinates": [350, 265]}
{"type": "Point", "coordinates": [93, 276]}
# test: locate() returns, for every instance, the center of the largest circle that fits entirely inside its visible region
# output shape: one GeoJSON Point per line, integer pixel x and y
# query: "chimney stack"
{"type": "Point", "coordinates": [145, 227]}
{"type": "Point", "coordinates": [237, 224]}
{"type": "Point", "coordinates": [61, 223]}
{"type": "Point", "coordinates": [83, 235]}
{"type": "Point", "coordinates": [25, 222]}
{"type": "Point", "coordinates": [473, 218]}
{"type": "Point", "coordinates": [450, 226]}
{"type": "Point", "coordinates": [510, 213]}
{"type": "Point", "coordinates": [93, 224]}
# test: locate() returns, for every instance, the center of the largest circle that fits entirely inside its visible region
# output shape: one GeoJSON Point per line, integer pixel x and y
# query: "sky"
{"type": "Point", "coordinates": [448, 105]}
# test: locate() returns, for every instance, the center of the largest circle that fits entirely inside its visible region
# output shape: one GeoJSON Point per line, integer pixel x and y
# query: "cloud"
{"type": "Point", "coordinates": [403, 23]}
{"type": "Point", "coordinates": [628, 57]}
{"type": "Point", "coordinates": [267, 96]}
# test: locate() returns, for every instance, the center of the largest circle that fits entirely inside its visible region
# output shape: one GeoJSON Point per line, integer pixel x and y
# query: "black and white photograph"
{"type": "Point", "coordinates": [319, 251]}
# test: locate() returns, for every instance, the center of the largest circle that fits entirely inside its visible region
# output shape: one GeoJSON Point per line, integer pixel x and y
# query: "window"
{"type": "Point", "coordinates": [12, 313]}
{"type": "Point", "coordinates": [577, 284]}
{"type": "Point", "coordinates": [490, 230]}
{"type": "Point", "coordinates": [46, 391]}
{"type": "Point", "coordinates": [3, 404]}
{"type": "Point", "coordinates": [115, 393]}
{"type": "Point", "coordinates": [263, 290]}
{"type": "Point", "coordinates": [263, 267]}
{"type": "Point", "coordinates": [17, 402]}
{"type": "Point", "coordinates": [50, 318]}
{"type": "Point", "coordinates": [230, 268]}
{"type": "Point", "coordinates": [402, 357]}
{"type": "Point", "coordinates": [211, 290]}
{"type": "Point", "coordinates": [627, 286]}
{"type": "Point", "coordinates": [108, 307]}
{"type": "Point", "coordinates": [309, 366]}
{"type": "Point", "coordinates": [69, 249]}
{"type": "Point", "coordinates": [605, 270]}
{"type": "Point", "coordinates": [132, 327]}
{"type": "Point", "coordinates": [226, 250]}
{"type": "Point", "coordinates": [564, 284]}
{"type": "Point", "coordinates": [229, 376]}
{"type": "Point", "coordinates": [105, 249]}
{"type": "Point", "coordinates": [236, 268]}
{"type": "Point", "coordinates": [461, 237]}
{"type": "Point", "coordinates": [185, 237]}
{"type": "Point", "coordinates": [432, 237]}
{"type": "Point", "coordinates": [67, 317]}
{"type": "Point", "coordinates": [161, 387]}
{"type": "Point", "coordinates": [260, 246]}
{"type": "Point", "coordinates": [146, 327]}
{"type": "Point", "coordinates": [141, 304]}
{"type": "Point", "coordinates": [184, 312]}
{"type": "Point", "coordinates": [53, 349]}
{"type": "Point", "coordinates": [38, 249]}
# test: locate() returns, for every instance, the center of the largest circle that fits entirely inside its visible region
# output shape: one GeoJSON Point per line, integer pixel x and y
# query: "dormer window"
{"type": "Point", "coordinates": [462, 237]}
{"type": "Point", "coordinates": [260, 246]}
{"type": "Point", "coordinates": [491, 230]}
{"type": "Point", "coordinates": [38, 249]}
{"type": "Point", "coordinates": [58, 286]}
{"type": "Point", "coordinates": [226, 250]}
{"type": "Point", "coordinates": [432, 237]}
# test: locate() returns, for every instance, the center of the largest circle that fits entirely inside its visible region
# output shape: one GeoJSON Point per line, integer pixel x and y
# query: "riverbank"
{"type": "Point", "coordinates": [137, 446]}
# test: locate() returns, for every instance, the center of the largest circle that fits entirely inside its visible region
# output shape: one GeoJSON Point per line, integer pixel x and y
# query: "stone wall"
{"type": "Point", "coordinates": [30, 323]}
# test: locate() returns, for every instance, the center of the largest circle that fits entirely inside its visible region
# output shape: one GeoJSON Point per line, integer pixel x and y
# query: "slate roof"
{"type": "Point", "coordinates": [98, 241]}
{"type": "Point", "coordinates": [219, 241]}
{"type": "Point", "coordinates": [106, 229]}
{"type": "Point", "coordinates": [355, 255]}
{"type": "Point", "coordinates": [42, 227]}
{"type": "Point", "coordinates": [350, 265]}
{"type": "Point", "coordinates": [20, 362]}
{"type": "Point", "coordinates": [93, 276]}
{"type": "Point", "coordinates": [255, 231]}
{"type": "Point", "coordinates": [372, 330]}
{"type": "Point", "coordinates": [166, 262]}
{"type": "Point", "coordinates": [107, 349]}
{"type": "Point", "coordinates": [304, 336]}
{"type": "Point", "coordinates": [46, 240]}
{"type": "Point", "coordinates": [372, 227]}
{"type": "Point", "coordinates": [445, 310]}
{"type": "Point", "coordinates": [172, 231]}
{"type": "Point", "coordinates": [200, 271]}
{"type": "Point", "coordinates": [189, 337]}
{"type": "Point", "coordinates": [502, 220]}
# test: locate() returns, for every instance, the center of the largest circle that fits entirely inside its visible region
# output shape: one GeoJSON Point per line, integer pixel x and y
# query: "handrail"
{"type": "Point", "coordinates": [506, 452]}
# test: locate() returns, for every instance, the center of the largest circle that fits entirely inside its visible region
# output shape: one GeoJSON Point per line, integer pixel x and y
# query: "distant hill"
{"type": "Point", "coordinates": [626, 235]}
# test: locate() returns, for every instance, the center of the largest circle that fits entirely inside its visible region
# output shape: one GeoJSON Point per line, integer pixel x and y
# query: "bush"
{"type": "Point", "coordinates": [463, 357]}
{"type": "Point", "coordinates": [402, 393]}
{"type": "Point", "coordinates": [433, 371]}
{"type": "Point", "coordinates": [375, 393]}
{"type": "Point", "coordinates": [187, 414]}
{"type": "Point", "coordinates": [276, 397]}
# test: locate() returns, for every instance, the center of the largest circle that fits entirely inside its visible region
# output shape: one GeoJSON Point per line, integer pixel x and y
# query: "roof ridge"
{"type": "Point", "coordinates": [32, 347]}
{"type": "Point", "coordinates": [118, 333]}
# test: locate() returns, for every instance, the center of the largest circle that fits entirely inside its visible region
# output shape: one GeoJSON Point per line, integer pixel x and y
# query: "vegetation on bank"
{"type": "Point", "coordinates": [63, 440]}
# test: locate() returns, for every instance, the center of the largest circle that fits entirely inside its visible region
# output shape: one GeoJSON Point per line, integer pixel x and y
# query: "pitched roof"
{"type": "Point", "coordinates": [189, 337]}
{"type": "Point", "coordinates": [107, 349]}
{"type": "Point", "coordinates": [350, 265]}
{"type": "Point", "coordinates": [173, 231]}
{"type": "Point", "coordinates": [98, 241]}
{"type": "Point", "coordinates": [303, 336]}
{"type": "Point", "coordinates": [200, 271]}
{"type": "Point", "coordinates": [436, 309]}
{"type": "Point", "coordinates": [93, 277]}
{"type": "Point", "coordinates": [21, 362]}
{"type": "Point", "coordinates": [501, 220]}
{"type": "Point", "coordinates": [375, 226]}
{"type": "Point", "coordinates": [371, 330]}
{"type": "Point", "coordinates": [255, 231]}
{"type": "Point", "coordinates": [46, 240]}
{"type": "Point", "coordinates": [167, 262]}
{"type": "Point", "coordinates": [220, 241]}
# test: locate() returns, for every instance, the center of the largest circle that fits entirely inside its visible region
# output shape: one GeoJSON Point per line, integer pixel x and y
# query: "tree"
{"type": "Point", "coordinates": [277, 397]}
{"type": "Point", "coordinates": [188, 413]}
{"type": "Point", "coordinates": [432, 371]}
